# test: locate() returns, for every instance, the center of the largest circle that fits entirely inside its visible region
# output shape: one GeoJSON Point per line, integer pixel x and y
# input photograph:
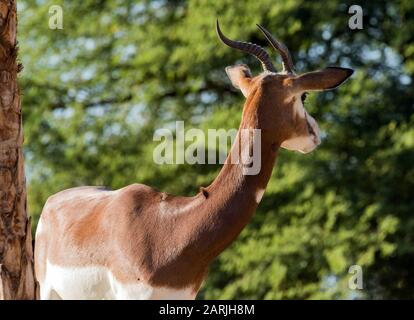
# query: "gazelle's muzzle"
{"type": "Point", "coordinates": [307, 141]}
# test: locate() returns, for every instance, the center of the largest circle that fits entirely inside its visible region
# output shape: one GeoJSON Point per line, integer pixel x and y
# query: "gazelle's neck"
{"type": "Point", "coordinates": [210, 221]}
{"type": "Point", "coordinates": [233, 196]}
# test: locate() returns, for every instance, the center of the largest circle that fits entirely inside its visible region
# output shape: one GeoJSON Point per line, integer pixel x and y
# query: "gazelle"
{"type": "Point", "coordinates": [139, 243]}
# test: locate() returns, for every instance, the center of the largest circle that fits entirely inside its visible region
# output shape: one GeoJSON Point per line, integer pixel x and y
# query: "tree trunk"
{"type": "Point", "coordinates": [16, 249]}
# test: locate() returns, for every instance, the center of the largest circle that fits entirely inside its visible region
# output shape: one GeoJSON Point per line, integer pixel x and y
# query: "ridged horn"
{"type": "Point", "coordinates": [281, 48]}
{"type": "Point", "coordinates": [251, 48]}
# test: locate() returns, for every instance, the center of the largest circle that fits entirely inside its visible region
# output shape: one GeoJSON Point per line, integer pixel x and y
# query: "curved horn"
{"type": "Point", "coordinates": [248, 47]}
{"type": "Point", "coordinates": [282, 49]}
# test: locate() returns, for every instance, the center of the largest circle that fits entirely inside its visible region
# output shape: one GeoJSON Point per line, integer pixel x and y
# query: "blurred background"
{"type": "Point", "coordinates": [95, 92]}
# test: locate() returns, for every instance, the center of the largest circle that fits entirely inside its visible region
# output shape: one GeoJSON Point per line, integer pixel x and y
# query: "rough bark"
{"type": "Point", "coordinates": [16, 249]}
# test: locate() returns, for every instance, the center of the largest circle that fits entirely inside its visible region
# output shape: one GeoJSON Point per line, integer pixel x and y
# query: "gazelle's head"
{"type": "Point", "coordinates": [278, 97]}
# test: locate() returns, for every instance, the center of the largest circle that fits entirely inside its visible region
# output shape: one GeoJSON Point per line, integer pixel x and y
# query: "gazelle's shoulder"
{"type": "Point", "coordinates": [137, 191]}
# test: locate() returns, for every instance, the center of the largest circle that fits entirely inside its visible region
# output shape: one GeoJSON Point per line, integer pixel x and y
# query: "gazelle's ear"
{"type": "Point", "coordinates": [326, 79]}
{"type": "Point", "coordinates": [241, 77]}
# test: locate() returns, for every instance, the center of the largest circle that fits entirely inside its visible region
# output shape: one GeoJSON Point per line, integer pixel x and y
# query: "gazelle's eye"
{"type": "Point", "coordinates": [303, 97]}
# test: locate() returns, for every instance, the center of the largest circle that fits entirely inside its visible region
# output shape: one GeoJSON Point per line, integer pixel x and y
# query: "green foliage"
{"type": "Point", "coordinates": [95, 92]}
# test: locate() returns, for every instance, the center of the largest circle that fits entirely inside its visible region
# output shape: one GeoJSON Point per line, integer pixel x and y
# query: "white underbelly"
{"type": "Point", "coordinates": [99, 283]}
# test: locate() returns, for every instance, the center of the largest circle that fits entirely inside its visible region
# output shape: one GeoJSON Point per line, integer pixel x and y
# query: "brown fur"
{"type": "Point", "coordinates": [141, 234]}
